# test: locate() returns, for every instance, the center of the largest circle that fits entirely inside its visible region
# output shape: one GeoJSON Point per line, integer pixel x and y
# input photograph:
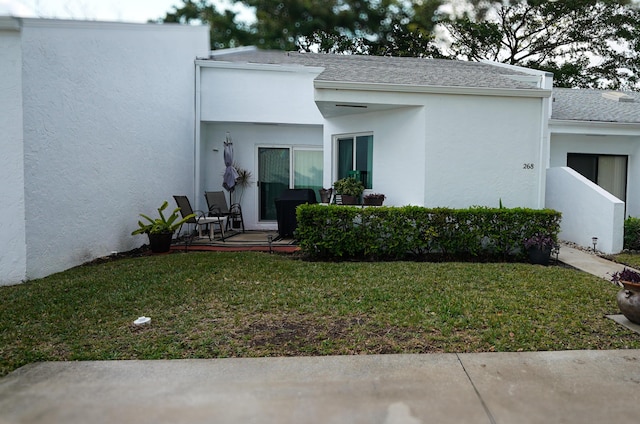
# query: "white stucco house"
{"type": "Point", "coordinates": [101, 121]}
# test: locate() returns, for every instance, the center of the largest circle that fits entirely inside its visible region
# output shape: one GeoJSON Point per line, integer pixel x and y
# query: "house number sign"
{"type": "Point", "coordinates": [528, 166]}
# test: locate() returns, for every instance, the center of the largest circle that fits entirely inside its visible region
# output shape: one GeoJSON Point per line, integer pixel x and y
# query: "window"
{"type": "Point", "coordinates": [608, 171]}
{"type": "Point", "coordinates": [355, 158]}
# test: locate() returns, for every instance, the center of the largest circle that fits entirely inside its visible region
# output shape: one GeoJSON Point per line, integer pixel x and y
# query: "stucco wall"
{"type": "Point", "coordinates": [398, 151]}
{"type": "Point", "coordinates": [13, 260]}
{"type": "Point", "coordinates": [481, 149]}
{"type": "Point", "coordinates": [268, 94]}
{"type": "Point", "coordinates": [108, 133]}
{"type": "Point", "coordinates": [562, 144]}
{"type": "Point", "coordinates": [587, 210]}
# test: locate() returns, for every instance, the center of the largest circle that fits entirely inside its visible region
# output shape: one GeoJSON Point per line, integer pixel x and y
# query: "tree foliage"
{"type": "Point", "coordinates": [585, 43]}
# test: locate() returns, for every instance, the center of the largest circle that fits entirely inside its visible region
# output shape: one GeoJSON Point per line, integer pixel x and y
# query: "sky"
{"type": "Point", "coordinates": [98, 10]}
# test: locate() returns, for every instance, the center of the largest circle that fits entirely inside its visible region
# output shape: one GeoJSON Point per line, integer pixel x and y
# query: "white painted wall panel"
{"type": "Point", "coordinates": [250, 95]}
{"type": "Point", "coordinates": [587, 210]}
{"type": "Point", "coordinates": [483, 149]}
{"type": "Point", "coordinates": [13, 248]}
{"type": "Point", "coordinates": [108, 128]}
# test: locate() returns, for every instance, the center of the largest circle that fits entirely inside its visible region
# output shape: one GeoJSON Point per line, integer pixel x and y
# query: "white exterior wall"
{"type": "Point", "coordinates": [263, 93]}
{"type": "Point", "coordinates": [587, 210]}
{"type": "Point", "coordinates": [108, 133]}
{"type": "Point", "coordinates": [13, 253]}
{"type": "Point", "coordinates": [398, 152]}
{"type": "Point", "coordinates": [482, 149]}
{"type": "Point", "coordinates": [628, 145]}
{"type": "Point", "coordinates": [262, 106]}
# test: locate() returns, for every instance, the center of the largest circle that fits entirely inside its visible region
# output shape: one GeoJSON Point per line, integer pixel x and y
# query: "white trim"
{"type": "Point", "coordinates": [409, 88]}
{"type": "Point", "coordinates": [560, 126]}
{"type": "Point", "coordinates": [232, 50]}
{"type": "Point", "coordinates": [197, 147]}
{"type": "Point", "coordinates": [205, 63]}
{"type": "Point", "coordinates": [87, 24]}
{"type": "Point", "coordinates": [10, 23]}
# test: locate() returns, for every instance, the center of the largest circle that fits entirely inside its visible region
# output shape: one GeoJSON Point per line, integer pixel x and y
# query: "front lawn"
{"type": "Point", "coordinates": [208, 305]}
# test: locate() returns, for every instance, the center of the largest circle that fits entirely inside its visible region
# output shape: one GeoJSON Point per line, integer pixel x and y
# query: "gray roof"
{"type": "Point", "coordinates": [590, 105]}
{"type": "Point", "coordinates": [387, 70]}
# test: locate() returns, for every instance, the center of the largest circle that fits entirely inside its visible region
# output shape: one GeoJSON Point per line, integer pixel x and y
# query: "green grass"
{"type": "Point", "coordinates": [628, 259]}
{"type": "Point", "coordinates": [207, 305]}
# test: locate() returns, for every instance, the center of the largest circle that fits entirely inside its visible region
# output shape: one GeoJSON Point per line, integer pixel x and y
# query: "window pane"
{"type": "Point", "coordinates": [345, 156]}
{"type": "Point", "coordinates": [612, 175]}
{"type": "Point", "coordinates": [586, 165]}
{"type": "Point", "coordinates": [364, 158]}
{"type": "Point", "coordinates": [273, 178]}
{"type": "Point", "coordinates": [307, 170]}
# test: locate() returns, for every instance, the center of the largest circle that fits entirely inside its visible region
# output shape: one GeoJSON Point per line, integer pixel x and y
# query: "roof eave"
{"type": "Point", "coordinates": [568, 126]}
{"type": "Point", "coordinates": [220, 63]}
{"type": "Point", "coordinates": [410, 88]}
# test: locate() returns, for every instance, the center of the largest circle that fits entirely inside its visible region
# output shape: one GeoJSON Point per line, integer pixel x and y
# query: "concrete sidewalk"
{"type": "Point", "coordinates": [588, 262]}
{"type": "Point", "coordinates": [532, 387]}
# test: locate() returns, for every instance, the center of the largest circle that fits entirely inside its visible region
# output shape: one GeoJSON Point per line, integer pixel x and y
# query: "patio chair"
{"type": "Point", "coordinates": [217, 203]}
{"type": "Point", "coordinates": [201, 219]}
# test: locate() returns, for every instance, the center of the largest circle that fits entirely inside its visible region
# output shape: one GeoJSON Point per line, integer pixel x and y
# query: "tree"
{"type": "Point", "coordinates": [585, 43]}
{"type": "Point", "coordinates": [226, 31]}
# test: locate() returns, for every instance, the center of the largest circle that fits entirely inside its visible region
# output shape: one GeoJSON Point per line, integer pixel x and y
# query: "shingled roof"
{"type": "Point", "coordinates": [595, 105]}
{"type": "Point", "coordinates": [388, 70]}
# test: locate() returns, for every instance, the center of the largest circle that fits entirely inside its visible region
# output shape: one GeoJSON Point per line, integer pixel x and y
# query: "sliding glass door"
{"type": "Point", "coordinates": [280, 168]}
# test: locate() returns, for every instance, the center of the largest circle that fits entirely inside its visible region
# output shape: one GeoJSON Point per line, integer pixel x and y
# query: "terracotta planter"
{"type": "Point", "coordinates": [539, 256]}
{"type": "Point", "coordinates": [160, 243]}
{"type": "Point", "coordinates": [629, 301]}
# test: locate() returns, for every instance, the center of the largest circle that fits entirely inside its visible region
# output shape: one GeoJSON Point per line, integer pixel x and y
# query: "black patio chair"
{"type": "Point", "coordinates": [217, 204]}
{"type": "Point", "coordinates": [201, 219]}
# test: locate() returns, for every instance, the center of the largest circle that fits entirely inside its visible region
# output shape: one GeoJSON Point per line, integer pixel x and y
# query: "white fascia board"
{"type": "Point", "coordinates": [560, 126]}
{"type": "Point", "coordinates": [9, 23]}
{"type": "Point", "coordinates": [204, 63]}
{"type": "Point", "coordinates": [408, 88]}
{"type": "Point", "coordinates": [74, 23]}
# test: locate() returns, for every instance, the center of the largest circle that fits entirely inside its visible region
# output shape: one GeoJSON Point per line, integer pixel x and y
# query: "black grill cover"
{"type": "Point", "coordinates": [286, 206]}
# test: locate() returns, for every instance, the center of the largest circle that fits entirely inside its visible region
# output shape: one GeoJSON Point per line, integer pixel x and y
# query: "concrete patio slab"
{"type": "Point", "coordinates": [622, 320]}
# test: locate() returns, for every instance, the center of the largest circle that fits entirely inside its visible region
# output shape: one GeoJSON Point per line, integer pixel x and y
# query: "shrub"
{"type": "Point", "coordinates": [412, 232]}
{"type": "Point", "coordinates": [632, 233]}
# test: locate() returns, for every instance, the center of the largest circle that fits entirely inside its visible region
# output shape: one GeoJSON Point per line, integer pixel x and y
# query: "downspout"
{"type": "Point", "coordinates": [196, 141]}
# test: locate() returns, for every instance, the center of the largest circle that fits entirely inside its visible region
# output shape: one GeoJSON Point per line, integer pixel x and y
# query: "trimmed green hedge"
{"type": "Point", "coordinates": [632, 233]}
{"type": "Point", "coordinates": [418, 233]}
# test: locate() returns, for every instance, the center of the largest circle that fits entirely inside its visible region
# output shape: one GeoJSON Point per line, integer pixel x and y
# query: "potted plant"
{"type": "Point", "coordinates": [374, 199]}
{"type": "Point", "coordinates": [629, 297]}
{"type": "Point", "coordinates": [539, 248]}
{"type": "Point", "coordinates": [350, 189]}
{"type": "Point", "coordinates": [325, 195]}
{"type": "Point", "coordinates": [160, 230]}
